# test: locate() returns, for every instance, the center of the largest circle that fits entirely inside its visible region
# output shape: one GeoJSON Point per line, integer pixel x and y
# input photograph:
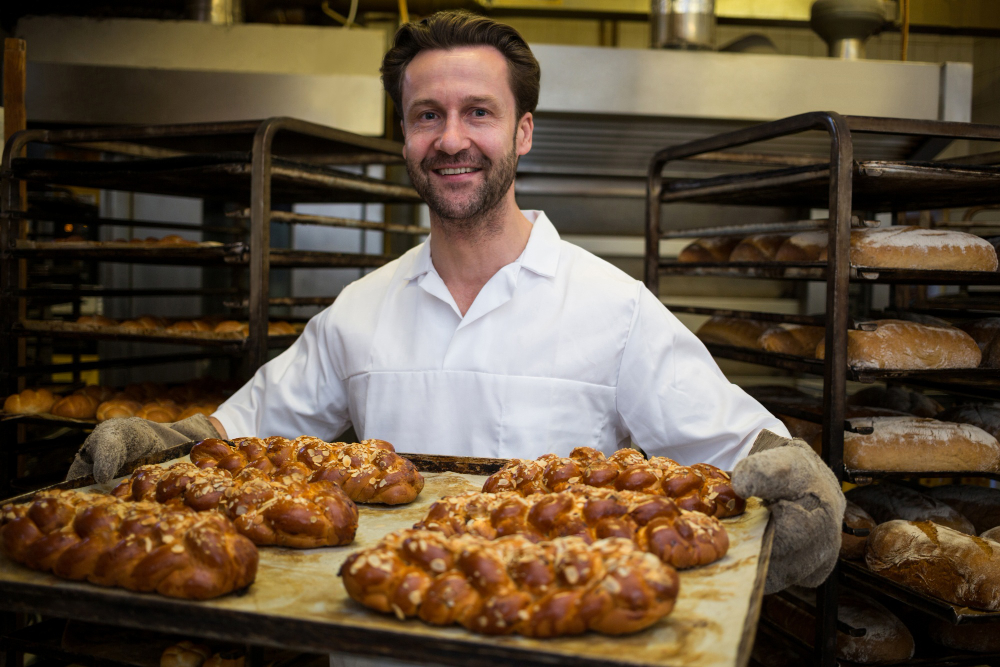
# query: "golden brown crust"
{"type": "Point", "coordinates": [915, 247]}
{"type": "Point", "coordinates": [656, 525]}
{"type": "Point", "coordinates": [369, 471]}
{"type": "Point", "coordinates": [139, 546]}
{"type": "Point", "coordinates": [898, 344]}
{"type": "Point", "coordinates": [709, 249]}
{"type": "Point", "coordinates": [697, 488]}
{"type": "Point", "coordinates": [290, 510]}
{"type": "Point", "coordinates": [75, 406]}
{"type": "Point", "coordinates": [511, 585]}
{"type": "Point", "coordinates": [852, 547]}
{"type": "Point", "coordinates": [30, 402]}
{"type": "Point", "coordinates": [117, 409]}
{"type": "Point", "coordinates": [791, 339]}
{"type": "Point", "coordinates": [758, 248]}
{"type": "Point", "coordinates": [733, 331]}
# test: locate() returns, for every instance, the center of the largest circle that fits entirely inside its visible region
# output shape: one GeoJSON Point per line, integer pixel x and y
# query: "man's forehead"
{"type": "Point", "coordinates": [480, 70]}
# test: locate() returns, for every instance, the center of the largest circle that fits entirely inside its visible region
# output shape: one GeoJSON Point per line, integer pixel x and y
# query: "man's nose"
{"type": "Point", "coordinates": [454, 138]}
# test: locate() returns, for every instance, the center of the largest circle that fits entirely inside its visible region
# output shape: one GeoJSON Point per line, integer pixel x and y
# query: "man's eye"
{"type": "Point", "coordinates": [427, 115]}
{"type": "Point", "coordinates": [479, 113]}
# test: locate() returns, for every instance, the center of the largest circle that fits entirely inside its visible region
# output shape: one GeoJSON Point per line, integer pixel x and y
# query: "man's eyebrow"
{"type": "Point", "coordinates": [472, 99]}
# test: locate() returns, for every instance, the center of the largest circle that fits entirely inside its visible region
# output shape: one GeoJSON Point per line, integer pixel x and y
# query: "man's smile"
{"type": "Point", "coordinates": [451, 171]}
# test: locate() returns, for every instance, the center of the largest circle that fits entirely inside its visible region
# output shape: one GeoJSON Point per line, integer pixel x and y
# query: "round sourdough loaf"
{"type": "Point", "coordinates": [732, 331]}
{"type": "Point", "coordinates": [979, 504]}
{"type": "Point", "coordinates": [903, 345]}
{"type": "Point", "coordinates": [886, 502]}
{"type": "Point", "coordinates": [709, 249]}
{"type": "Point", "coordinates": [937, 561]}
{"type": "Point", "coordinates": [913, 444]}
{"type": "Point", "coordinates": [852, 547]}
{"type": "Point", "coordinates": [918, 248]}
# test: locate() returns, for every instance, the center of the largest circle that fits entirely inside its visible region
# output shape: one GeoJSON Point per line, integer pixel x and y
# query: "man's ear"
{"type": "Point", "coordinates": [525, 128]}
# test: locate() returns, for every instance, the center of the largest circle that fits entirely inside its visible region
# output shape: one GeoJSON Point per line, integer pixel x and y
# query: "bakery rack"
{"type": "Point", "coordinates": [251, 167]}
{"type": "Point", "coordinates": [844, 184]}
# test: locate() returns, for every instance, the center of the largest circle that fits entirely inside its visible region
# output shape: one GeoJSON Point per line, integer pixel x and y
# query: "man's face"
{"type": "Point", "coordinates": [462, 133]}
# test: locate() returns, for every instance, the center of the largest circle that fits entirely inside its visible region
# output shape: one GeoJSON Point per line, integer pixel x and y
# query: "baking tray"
{"type": "Point", "coordinates": [298, 602]}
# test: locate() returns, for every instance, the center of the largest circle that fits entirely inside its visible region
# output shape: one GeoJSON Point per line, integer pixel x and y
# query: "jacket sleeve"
{"type": "Point", "coordinates": [673, 398]}
{"type": "Point", "coordinates": [299, 392]}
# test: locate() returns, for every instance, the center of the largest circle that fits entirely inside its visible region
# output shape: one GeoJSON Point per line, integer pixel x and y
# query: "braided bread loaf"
{"type": "Point", "coordinates": [288, 508]}
{"type": "Point", "coordinates": [677, 537]}
{"type": "Point", "coordinates": [140, 546]}
{"type": "Point", "coordinates": [512, 585]}
{"type": "Point", "coordinates": [697, 488]}
{"type": "Point", "coordinates": [370, 471]}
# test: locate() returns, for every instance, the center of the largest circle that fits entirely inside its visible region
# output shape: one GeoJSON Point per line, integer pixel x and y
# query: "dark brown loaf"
{"type": "Point", "coordinates": [758, 248]}
{"type": "Point", "coordinates": [852, 547]}
{"type": "Point", "coordinates": [709, 249]}
{"type": "Point", "coordinates": [697, 488]}
{"type": "Point", "coordinates": [681, 539]}
{"type": "Point", "coordinates": [886, 638]}
{"type": "Point", "coordinates": [983, 331]}
{"type": "Point", "coordinates": [937, 561]}
{"type": "Point", "coordinates": [886, 502]}
{"type": "Point", "coordinates": [981, 415]}
{"type": "Point", "coordinates": [369, 471]}
{"type": "Point", "coordinates": [140, 546]}
{"type": "Point", "coordinates": [896, 398]}
{"type": "Point", "coordinates": [975, 637]}
{"type": "Point", "coordinates": [912, 444]}
{"type": "Point", "coordinates": [901, 345]}
{"type": "Point", "coordinates": [511, 585]}
{"type": "Point", "coordinates": [292, 510]}
{"type": "Point", "coordinates": [732, 331]}
{"type": "Point", "coordinates": [979, 504]}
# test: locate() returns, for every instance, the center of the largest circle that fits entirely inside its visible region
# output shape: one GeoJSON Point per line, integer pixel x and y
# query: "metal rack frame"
{"type": "Point", "coordinates": [840, 172]}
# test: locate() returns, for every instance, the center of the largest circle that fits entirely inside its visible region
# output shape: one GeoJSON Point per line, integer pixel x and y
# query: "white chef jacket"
{"type": "Point", "coordinates": [560, 349]}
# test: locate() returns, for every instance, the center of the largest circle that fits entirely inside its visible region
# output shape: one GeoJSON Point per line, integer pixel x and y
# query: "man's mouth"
{"type": "Point", "coordinates": [453, 171]}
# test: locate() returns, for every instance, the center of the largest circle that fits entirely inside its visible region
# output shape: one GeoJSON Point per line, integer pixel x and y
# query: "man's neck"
{"type": "Point", "coordinates": [466, 254]}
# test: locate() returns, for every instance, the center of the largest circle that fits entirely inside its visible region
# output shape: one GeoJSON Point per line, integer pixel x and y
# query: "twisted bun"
{"type": "Point", "coordinates": [511, 585]}
{"type": "Point", "coordinates": [138, 546]}
{"type": "Point", "coordinates": [30, 402]}
{"type": "Point", "coordinates": [117, 408]}
{"type": "Point", "coordinates": [75, 406]}
{"type": "Point", "coordinates": [698, 488]}
{"type": "Point", "coordinates": [677, 537]}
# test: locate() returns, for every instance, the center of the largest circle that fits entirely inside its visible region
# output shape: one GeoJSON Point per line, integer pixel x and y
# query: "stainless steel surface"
{"type": "Point", "coordinates": [848, 49]}
{"type": "Point", "coordinates": [682, 24]}
{"type": "Point", "coordinates": [845, 25]}
{"type": "Point", "coordinates": [219, 12]}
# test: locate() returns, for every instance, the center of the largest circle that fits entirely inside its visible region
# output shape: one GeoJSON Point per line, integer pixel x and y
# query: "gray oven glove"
{"type": "Point", "coordinates": [117, 441]}
{"type": "Point", "coordinates": [807, 507]}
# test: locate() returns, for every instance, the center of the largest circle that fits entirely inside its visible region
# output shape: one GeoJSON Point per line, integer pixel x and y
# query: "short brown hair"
{"type": "Point", "coordinates": [452, 29]}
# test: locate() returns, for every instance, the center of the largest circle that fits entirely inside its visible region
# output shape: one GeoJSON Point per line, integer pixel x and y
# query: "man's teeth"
{"type": "Point", "coordinates": [458, 170]}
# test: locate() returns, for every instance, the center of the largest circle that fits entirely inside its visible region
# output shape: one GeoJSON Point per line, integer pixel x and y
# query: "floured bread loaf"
{"type": "Point", "coordinates": [903, 345]}
{"type": "Point", "coordinates": [887, 502]}
{"type": "Point", "coordinates": [985, 416]}
{"type": "Point", "coordinates": [912, 444]}
{"type": "Point", "coordinates": [732, 331]}
{"type": "Point", "coordinates": [991, 534]}
{"type": "Point", "coordinates": [758, 248]}
{"type": "Point", "coordinates": [709, 249]}
{"type": "Point", "coordinates": [886, 639]}
{"type": "Point", "coordinates": [852, 547]}
{"type": "Point", "coordinates": [918, 248]}
{"type": "Point", "coordinates": [975, 637]}
{"type": "Point", "coordinates": [991, 354]}
{"type": "Point", "coordinates": [803, 247]}
{"type": "Point", "coordinates": [937, 561]}
{"type": "Point", "coordinates": [982, 331]}
{"type": "Point", "coordinates": [791, 339]}
{"type": "Point", "coordinates": [896, 398]}
{"type": "Point", "coordinates": [979, 504]}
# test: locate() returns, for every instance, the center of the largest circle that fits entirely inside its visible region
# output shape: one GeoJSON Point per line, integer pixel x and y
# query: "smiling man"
{"type": "Point", "coordinates": [495, 338]}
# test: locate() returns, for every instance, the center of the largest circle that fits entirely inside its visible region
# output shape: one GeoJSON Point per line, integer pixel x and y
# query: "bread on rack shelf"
{"type": "Point", "coordinates": [886, 638]}
{"type": "Point", "coordinates": [709, 249]}
{"type": "Point", "coordinates": [983, 415]}
{"type": "Point", "coordinates": [96, 320]}
{"type": "Point", "coordinates": [30, 402]}
{"type": "Point", "coordinates": [144, 323]}
{"type": "Point", "coordinates": [896, 398]}
{"type": "Point", "coordinates": [979, 504]}
{"type": "Point", "coordinates": [162, 412]}
{"type": "Point", "coordinates": [139, 546]}
{"type": "Point", "coordinates": [207, 409]}
{"type": "Point", "coordinates": [919, 248]}
{"type": "Point", "coordinates": [698, 488]}
{"type": "Point", "coordinates": [736, 331]}
{"type": "Point", "coordinates": [913, 444]}
{"type": "Point", "coordinates": [758, 248]}
{"type": "Point", "coordinates": [973, 637]}
{"type": "Point", "coordinates": [991, 534]}
{"type": "Point", "coordinates": [185, 654]}
{"type": "Point", "coordinates": [937, 561]}
{"type": "Point", "coordinates": [794, 339]}
{"type": "Point", "coordinates": [512, 585]}
{"type": "Point", "coordinates": [189, 325]}
{"type": "Point", "coordinates": [289, 509]}
{"type": "Point", "coordinates": [369, 471]}
{"type": "Point", "coordinates": [887, 502]}
{"type": "Point", "coordinates": [991, 354]}
{"type": "Point", "coordinates": [983, 331]}
{"type": "Point", "coordinates": [75, 406]}
{"type": "Point", "coordinates": [120, 408]}
{"type": "Point", "coordinates": [899, 345]}
{"type": "Point", "coordinates": [803, 247]}
{"type": "Point", "coordinates": [677, 537]}
{"type": "Point", "coordinates": [852, 547]}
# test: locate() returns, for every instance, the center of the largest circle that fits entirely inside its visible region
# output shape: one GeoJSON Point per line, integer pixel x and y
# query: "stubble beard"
{"type": "Point", "coordinates": [480, 214]}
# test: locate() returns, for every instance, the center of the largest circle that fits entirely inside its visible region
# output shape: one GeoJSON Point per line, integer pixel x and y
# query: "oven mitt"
{"type": "Point", "coordinates": [115, 442]}
{"type": "Point", "coordinates": [807, 507]}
